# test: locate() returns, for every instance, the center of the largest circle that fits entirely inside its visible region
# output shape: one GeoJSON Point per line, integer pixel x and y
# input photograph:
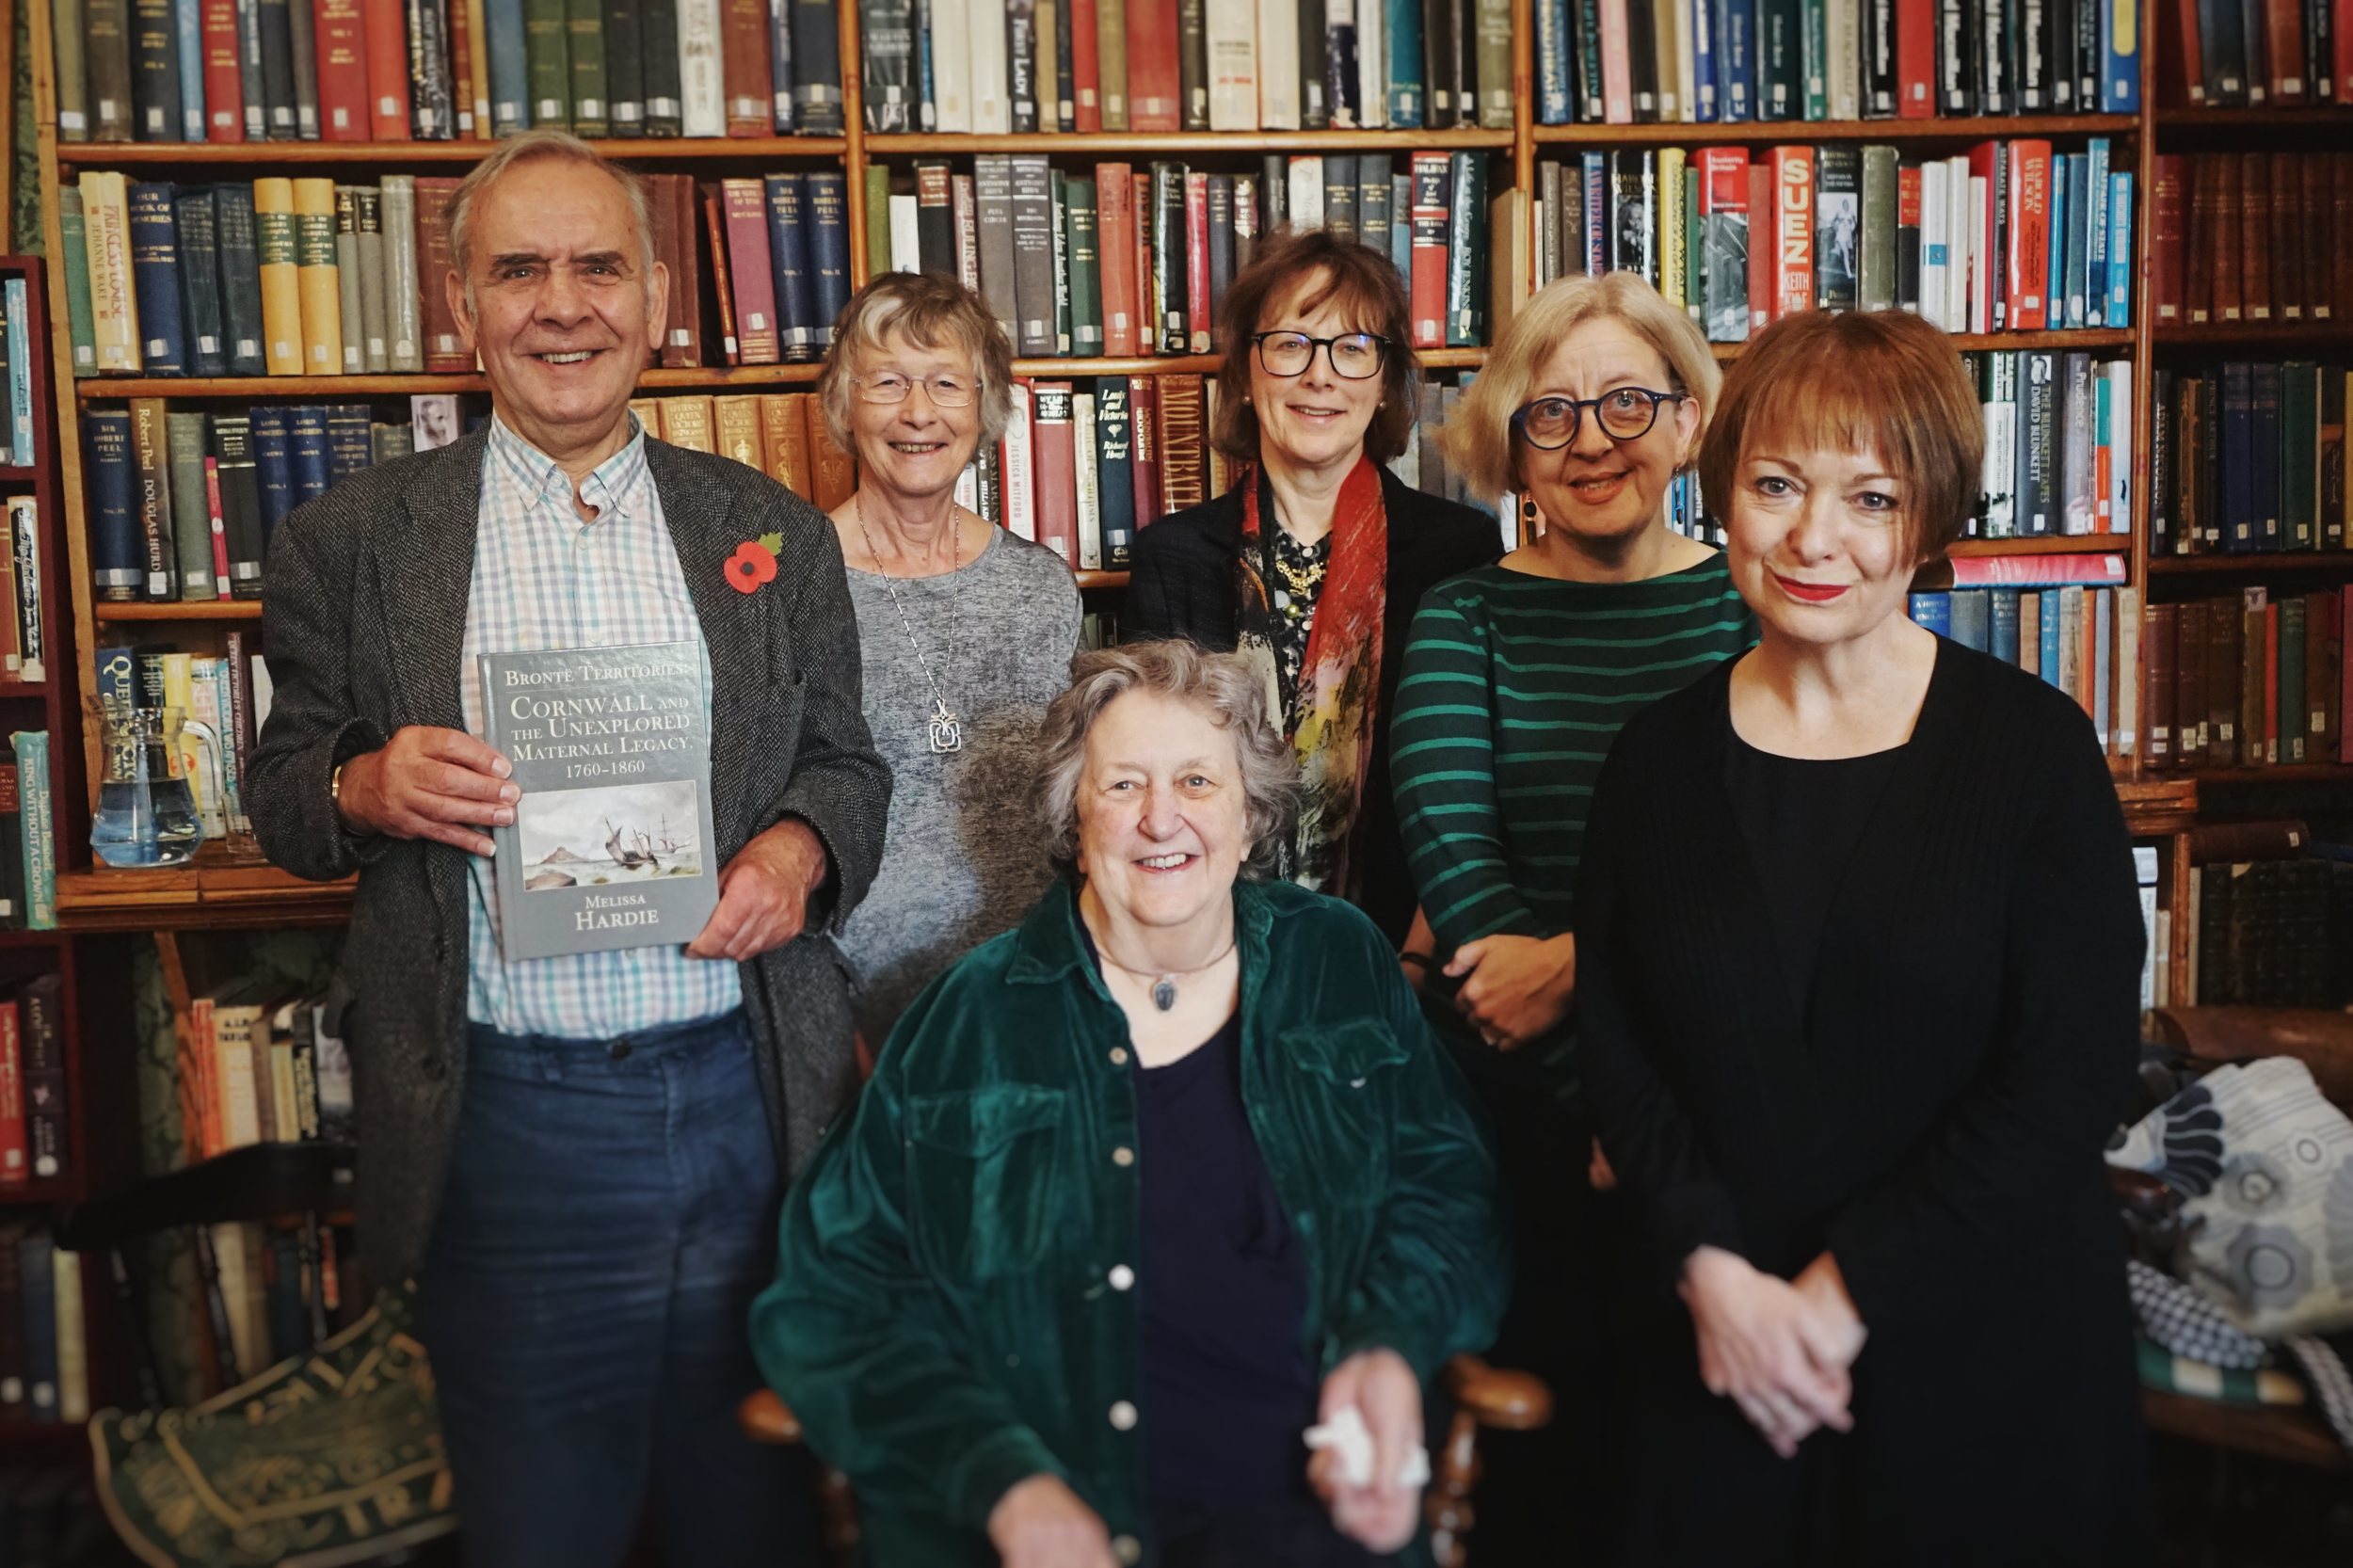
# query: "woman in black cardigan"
{"type": "Point", "coordinates": [1313, 564]}
{"type": "Point", "coordinates": [1859, 951]}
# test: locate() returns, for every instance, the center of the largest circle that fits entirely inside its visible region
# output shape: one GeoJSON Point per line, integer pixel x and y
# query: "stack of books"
{"type": "Point", "coordinates": [2241, 239]}
{"type": "Point", "coordinates": [44, 1357]}
{"type": "Point", "coordinates": [35, 1144]}
{"type": "Point", "coordinates": [1136, 261]}
{"type": "Point", "coordinates": [268, 1289]}
{"type": "Point", "coordinates": [239, 71]}
{"type": "Point", "coordinates": [2253, 679]}
{"type": "Point", "coordinates": [183, 504]}
{"type": "Point", "coordinates": [1635, 61]}
{"type": "Point", "coordinates": [266, 1067]}
{"type": "Point", "coordinates": [2246, 458]}
{"type": "Point", "coordinates": [2067, 619]}
{"type": "Point", "coordinates": [304, 277]}
{"type": "Point", "coordinates": [1086, 66]}
{"type": "Point", "coordinates": [2010, 237]}
{"type": "Point", "coordinates": [2277, 56]}
{"type": "Point", "coordinates": [2059, 443]}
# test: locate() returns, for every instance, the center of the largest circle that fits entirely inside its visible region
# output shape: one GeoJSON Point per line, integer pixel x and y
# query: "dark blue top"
{"type": "Point", "coordinates": [1228, 1387]}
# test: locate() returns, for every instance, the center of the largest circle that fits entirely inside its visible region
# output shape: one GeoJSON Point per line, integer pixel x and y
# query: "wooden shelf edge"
{"type": "Point", "coordinates": [273, 387]}
{"type": "Point", "coordinates": [1800, 131]}
{"type": "Point", "coordinates": [2267, 119]}
{"type": "Point", "coordinates": [2224, 334]}
{"type": "Point", "coordinates": [219, 894]}
{"type": "Point", "coordinates": [2045, 544]}
{"type": "Point", "coordinates": [935, 145]}
{"type": "Point", "coordinates": [194, 609]}
{"type": "Point", "coordinates": [94, 155]}
{"type": "Point", "coordinates": [2302, 560]}
{"type": "Point", "coordinates": [2277, 773]}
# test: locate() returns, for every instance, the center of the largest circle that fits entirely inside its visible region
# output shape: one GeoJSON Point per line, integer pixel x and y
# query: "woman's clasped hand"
{"type": "Point", "coordinates": [1519, 987]}
{"type": "Point", "coordinates": [1779, 1349]}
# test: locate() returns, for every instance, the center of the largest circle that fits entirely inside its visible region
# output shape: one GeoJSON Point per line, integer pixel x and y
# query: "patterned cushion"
{"type": "Point", "coordinates": [2265, 1166]}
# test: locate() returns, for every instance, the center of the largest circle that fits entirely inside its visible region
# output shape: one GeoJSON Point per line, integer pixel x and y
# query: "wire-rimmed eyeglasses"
{"type": "Point", "coordinates": [1354, 356]}
{"type": "Point", "coordinates": [1626, 414]}
{"type": "Point", "coordinates": [891, 386]}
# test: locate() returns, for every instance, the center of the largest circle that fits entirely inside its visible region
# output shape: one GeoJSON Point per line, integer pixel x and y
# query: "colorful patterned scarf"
{"type": "Point", "coordinates": [1339, 680]}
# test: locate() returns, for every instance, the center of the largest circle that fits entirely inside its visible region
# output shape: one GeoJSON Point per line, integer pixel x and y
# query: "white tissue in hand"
{"type": "Point", "coordinates": [1351, 1440]}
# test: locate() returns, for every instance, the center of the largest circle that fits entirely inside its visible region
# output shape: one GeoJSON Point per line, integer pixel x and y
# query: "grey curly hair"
{"type": "Point", "coordinates": [1222, 685]}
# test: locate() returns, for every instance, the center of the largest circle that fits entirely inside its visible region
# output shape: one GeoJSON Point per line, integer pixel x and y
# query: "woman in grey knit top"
{"type": "Point", "coordinates": [966, 634]}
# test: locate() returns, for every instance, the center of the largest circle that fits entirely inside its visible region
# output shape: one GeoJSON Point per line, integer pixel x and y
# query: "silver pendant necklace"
{"type": "Point", "coordinates": [946, 731]}
{"type": "Point", "coordinates": [1164, 983]}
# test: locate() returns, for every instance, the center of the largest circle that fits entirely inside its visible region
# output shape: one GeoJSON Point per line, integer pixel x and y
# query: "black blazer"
{"type": "Point", "coordinates": [1182, 584]}
{"type": "Point", "coordinates": [1936, 1120]}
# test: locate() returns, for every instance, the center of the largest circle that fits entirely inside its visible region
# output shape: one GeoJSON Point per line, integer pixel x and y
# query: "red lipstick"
{"type": "Point", "coordinates": [1809, 593]}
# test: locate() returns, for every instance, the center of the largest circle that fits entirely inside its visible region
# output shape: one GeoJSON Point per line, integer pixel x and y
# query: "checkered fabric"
{"type": "Point", "coordinates": [544, 579]}
{"type": "Point", "coordinates": [2186, 1323]}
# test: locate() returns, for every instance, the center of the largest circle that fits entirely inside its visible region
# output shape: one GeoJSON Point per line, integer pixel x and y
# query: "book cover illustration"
{"type": "Point", "coordinates": [611, 846]}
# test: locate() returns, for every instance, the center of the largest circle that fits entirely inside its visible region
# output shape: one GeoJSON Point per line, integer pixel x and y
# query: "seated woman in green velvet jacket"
{"type": "Point", "coordinates": [1144, 1188]}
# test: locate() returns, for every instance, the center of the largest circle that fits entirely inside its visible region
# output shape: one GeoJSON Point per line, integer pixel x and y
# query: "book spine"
{"type": "Point", "coordinates": [624, 70]}
{"type": "Point", "coordinates": [585, 56]}
{"type": "Point", "coordinates": [81, 330]}
{"type": "Point", "coordinates": [816, 70]}
{"type": "Point", "coordinates": [658, 25]}
{"type": "Point", "coordinates": [1114, 471]}
{"type": "Point", "coordinates": [150, 456]}
{"type": "Point", "coordinates": [788, 256]}
{"type": "Point", "coordinates": [352, 322]}
{"type": "Point", "coordinates": [1115, 240]}
{"type": "Point", "coordinates": [829, 251]}
{"type": "Point", "coordinates": [750, 266]}
{"type": "Point", "coordinates": [155, 279]}
{"type": "Point", "coordinates": [40, 859]}
{"type": "Point", "coordinates": [302, 50]}
{"type": "Point", "coordinates": [155, 69]}
{"type": "Point", "coordinates": [1055, 472]}
{"type": "Point", "coordinates": [317, 286]}
{"type": "Point", "coordinates": [1171, 286]}
{"type": "Point", "coordinates": [384, 26]}
{"type": "Point", "coordinates": [342, 70]}
{"type": "Point", "coordinates": [1432, 176]}
{"type": "Point", "coordinates": [1082, 247]}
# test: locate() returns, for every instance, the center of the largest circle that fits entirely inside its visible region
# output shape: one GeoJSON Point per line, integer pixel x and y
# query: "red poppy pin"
{"type": "Point", "coordinates": [754, 563]}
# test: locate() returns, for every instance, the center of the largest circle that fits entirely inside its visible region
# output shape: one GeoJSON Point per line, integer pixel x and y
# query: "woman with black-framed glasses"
{"type": "Point", "coordinates": [1312, 564]}
{"type": "Point", "coordinates": [1516, 679]}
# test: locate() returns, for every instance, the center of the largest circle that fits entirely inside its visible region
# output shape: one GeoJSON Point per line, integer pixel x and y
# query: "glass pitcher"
{"type": "Point", "coordinates": [146, 809]}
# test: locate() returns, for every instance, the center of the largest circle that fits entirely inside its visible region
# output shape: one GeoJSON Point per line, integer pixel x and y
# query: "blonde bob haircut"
{"type": "Point", "coordinates": [926, 311]}
{"type": "Point", "coordinates": [1884, 382]}
{"type": "Point", "coordinates": [1477, 440]}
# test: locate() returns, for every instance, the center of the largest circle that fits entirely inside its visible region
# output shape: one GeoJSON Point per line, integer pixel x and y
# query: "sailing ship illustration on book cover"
{"type": "Point", "coordinates": [611, 844]}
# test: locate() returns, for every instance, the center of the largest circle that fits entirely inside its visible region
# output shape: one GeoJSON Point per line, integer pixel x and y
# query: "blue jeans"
{"type": "Point", "coordinates": [611, 1214]}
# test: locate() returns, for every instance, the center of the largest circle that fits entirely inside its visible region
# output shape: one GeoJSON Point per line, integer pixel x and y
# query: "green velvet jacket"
{"type": "Point", "coordinates": [954, 1307]}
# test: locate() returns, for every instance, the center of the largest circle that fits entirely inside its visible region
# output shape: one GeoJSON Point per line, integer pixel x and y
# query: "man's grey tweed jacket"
{"type": "Point", "coordinates": [364, 613]}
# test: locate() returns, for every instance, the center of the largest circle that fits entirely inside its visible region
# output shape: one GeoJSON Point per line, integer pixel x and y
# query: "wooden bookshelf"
{"type": "Point", "coordinates": [1517, 148]}
{"type": "Point", "coordinates": [2288, 335]}
{"type": "Point", "coordinates": [2291, 121]}
{"type": "Point", "coordinates": [2046, 544]}
{"type": "Point", "coordinates": [2301, 563]}
{"type": "Point", "coordinates": [180, 609]}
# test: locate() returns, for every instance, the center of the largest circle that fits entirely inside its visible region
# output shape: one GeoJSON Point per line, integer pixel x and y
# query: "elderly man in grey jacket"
{"type": "Point", "coordinates": [579, 1158]}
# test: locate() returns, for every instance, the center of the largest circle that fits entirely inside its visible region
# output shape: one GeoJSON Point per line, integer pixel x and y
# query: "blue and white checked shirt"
{"type": "Point", "coordinates": [544, 579]}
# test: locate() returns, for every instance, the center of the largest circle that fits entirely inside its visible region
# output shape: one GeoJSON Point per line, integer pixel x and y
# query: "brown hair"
{"type": "Point", "coordinates": [1879, 381]}
{"type": "Point", "coordinates": [1364, 282]}
{"type": "Point", "coordinates": [929, 311]}
{"type": "Point", "coordinates": [1477, 440]}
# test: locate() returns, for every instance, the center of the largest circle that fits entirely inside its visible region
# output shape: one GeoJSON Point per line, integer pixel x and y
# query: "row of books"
{"type": "Point", "coordinates": [1136, 261]}
{"type": "Point", "coordinates": [781, 434]}
{"type": "Point", "coordinates": [1246, 65]}
{"type": "Point", "coordinates": [2082, 639]}
{"type": "Point", "coordinates": [44, 1356]}
{"type": "Point", "coordinates": [2246, 458]}
{"type": "Point", "coordinates": [2260, 53]}
{"type": "Point", "coordinates": [303, 277]}
{"type": "Point", "coordinates": [2272, 932]}
{"type": "Point", "coordinates": [2243, 237]}
{"type": "Point", "coordinates": [271, 1293]}
{"type": "Point", "coordinates": [2010, 237]}
{"type": "Point", "coordinates": [223, 699]}
{"type": "Point", "coordinates": [2059, 443]}
{"type": "Point", "coordinates": [1186, 65]}
{"type": "Point", "coordinates": [35, 1139]}
{"type": "Point", "coordinates": [239, 71]}
{"type": "Point", "coordinates": [183, 504]}
{"type": "Point", "coordinates": [267, 1067]}
{"type": "Point", "coordinates": [2253, 679]}
{"type": "Point", "coordinates": [1635, 61]}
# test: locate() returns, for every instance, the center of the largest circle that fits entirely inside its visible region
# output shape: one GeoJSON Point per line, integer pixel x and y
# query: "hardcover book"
{"type": "Point", "coordinates": [611, 843]}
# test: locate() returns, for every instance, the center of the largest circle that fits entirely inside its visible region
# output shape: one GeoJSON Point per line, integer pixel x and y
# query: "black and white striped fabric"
{"type": "Point", "coordinates": [2331, 1384]}
{"type": "Point", "coordinates": [2186, 1323]}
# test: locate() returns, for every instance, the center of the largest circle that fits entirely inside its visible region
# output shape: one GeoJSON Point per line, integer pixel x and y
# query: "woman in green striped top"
{"type": "Point", "coordinates": [1516, 678]}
